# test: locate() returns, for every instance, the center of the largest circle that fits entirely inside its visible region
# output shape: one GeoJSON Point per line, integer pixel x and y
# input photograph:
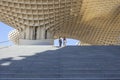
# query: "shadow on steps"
{"type": "Point", "coordinates": [68, 63]}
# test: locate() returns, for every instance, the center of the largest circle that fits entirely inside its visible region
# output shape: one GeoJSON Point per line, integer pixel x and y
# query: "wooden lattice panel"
{"type": "Point", "coordinates": [90, 21]}
{"type": "Point", "coordinates": [14, 36]}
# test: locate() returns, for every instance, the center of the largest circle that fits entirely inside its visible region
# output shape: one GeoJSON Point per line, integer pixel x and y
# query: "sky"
{"type": "Point", "coordinates": [5, 29]}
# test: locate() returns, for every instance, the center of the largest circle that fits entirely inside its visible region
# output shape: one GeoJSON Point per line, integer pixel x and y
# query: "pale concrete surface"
{"type": "Point", "coordinates": [15, 51]}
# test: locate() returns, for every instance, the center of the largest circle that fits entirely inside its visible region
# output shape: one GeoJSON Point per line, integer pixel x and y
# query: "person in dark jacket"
{"type": "Point", "coordinates": [60, 41]}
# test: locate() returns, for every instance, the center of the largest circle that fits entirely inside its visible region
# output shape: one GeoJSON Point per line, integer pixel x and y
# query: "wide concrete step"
{"type": "Point", "coordinates": [60, 79]}
{"type": "Point", "coordinates": [59, 75]}
{"type": "Point", "coordinates": [49, 71]}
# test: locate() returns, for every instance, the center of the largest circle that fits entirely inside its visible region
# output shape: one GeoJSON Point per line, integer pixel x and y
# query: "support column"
{"type": "Point", "coordinates": [36, 36]}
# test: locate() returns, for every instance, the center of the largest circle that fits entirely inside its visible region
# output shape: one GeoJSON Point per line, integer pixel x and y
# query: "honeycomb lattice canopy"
{"type": "Point", "coordinates": [94, 22]}
{"type": "Point", "coordinates": [14, 36]}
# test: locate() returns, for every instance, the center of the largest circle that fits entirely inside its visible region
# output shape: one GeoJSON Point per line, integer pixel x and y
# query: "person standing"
{"type": "Point", "coordinates": [64, 41]}
{"type": "Point", "coordinates": [60, 41]}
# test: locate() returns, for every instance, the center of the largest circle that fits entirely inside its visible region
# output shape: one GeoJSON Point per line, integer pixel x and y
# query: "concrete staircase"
{"type": "Point", "coordinates": [67, 63]}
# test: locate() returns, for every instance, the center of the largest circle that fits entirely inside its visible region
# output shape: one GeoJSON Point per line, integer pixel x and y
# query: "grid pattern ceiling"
{"type": "Point", "coordinates": [90, 21]}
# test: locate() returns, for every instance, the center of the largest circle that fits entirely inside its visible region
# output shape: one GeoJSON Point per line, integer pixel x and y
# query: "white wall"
{"type": "Point", "coordinates": [36, 42]}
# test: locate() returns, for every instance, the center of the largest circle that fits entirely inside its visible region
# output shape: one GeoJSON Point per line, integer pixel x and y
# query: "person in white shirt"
{"type": "Point", "coordinates": [64, 41]}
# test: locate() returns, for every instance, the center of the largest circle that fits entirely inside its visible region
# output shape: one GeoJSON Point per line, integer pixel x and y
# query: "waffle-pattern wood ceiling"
{"type": "Point", "coordinates": [94, 22]}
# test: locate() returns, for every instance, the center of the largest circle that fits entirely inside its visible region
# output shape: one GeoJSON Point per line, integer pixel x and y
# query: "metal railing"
{"type": "Point", "coordinates": [7, 42]}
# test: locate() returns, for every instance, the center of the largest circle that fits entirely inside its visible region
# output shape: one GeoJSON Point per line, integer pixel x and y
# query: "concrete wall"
{"type": "Point", "coordinates": [36, 42]}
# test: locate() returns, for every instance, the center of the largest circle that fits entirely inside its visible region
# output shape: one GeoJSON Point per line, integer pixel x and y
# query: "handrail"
{"type": "Point", "coordinates": [4, 41]}
{"type": "Point", "coordinates": [78, 43]}
{"type": "Point", "coordinates": [4, 46]}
